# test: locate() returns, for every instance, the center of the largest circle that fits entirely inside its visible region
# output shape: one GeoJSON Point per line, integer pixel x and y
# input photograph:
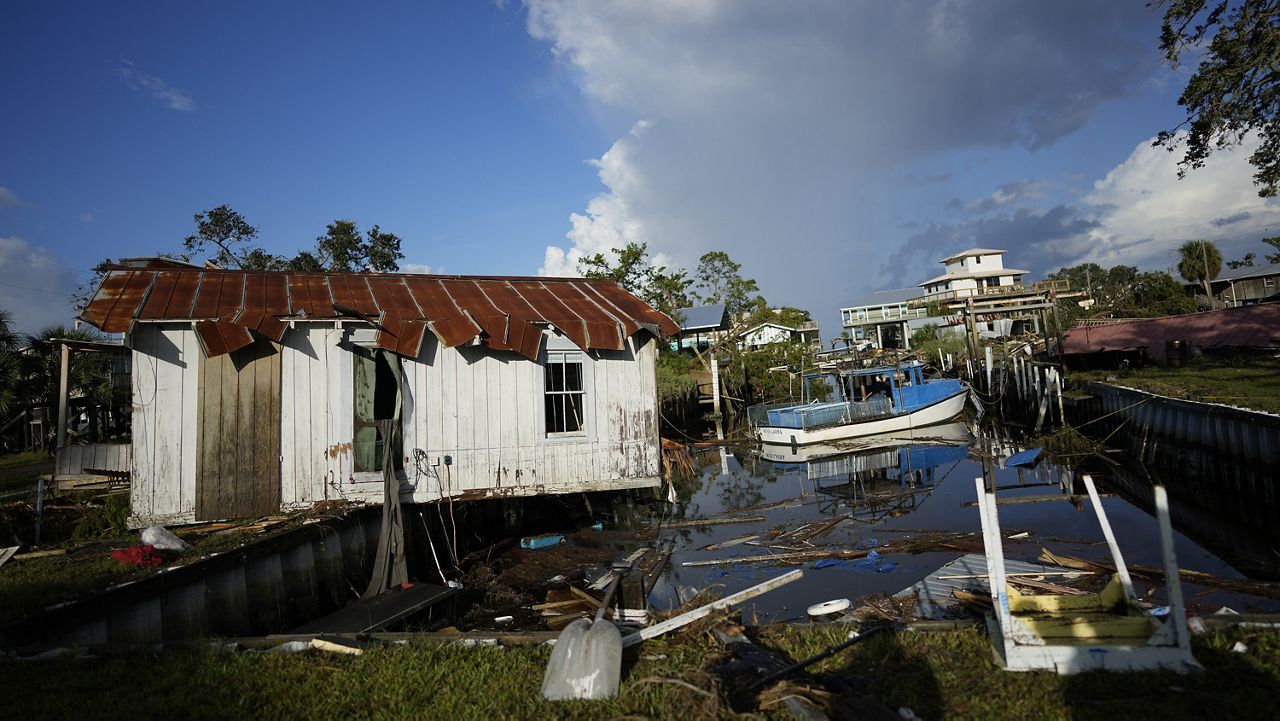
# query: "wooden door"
{"type": "Point", "coordinates": [238, 467]}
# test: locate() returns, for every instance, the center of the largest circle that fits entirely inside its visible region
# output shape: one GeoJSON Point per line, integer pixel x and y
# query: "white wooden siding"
{"type": "Point", "coordinates": [165, 375]}
{"type": "Point", "coordinates": [483, 409]}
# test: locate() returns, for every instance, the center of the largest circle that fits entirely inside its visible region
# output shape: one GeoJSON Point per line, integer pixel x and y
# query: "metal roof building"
{"type": "Point", "coordinates": [258, 391]}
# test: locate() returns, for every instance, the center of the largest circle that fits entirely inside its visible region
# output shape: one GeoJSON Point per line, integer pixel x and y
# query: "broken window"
{"type": "Point", "coordinates": [377, 398]}
{"type": "Point", "coordinates": [565, 394]}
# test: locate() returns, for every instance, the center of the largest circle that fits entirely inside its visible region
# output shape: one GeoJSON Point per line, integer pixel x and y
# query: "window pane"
{"type": "Point", "coordinates": [573, 376]}
{"type": "Point", "coordinates": [573, 412]}
{"type": "Point", "coordinates": [366, 379]}
{"type": "Point", "coordinates": [555, 414]}
{"type": "Point", "coordinates": [367, 449]}
{"type": "Point", "coordinates": [555, 376]}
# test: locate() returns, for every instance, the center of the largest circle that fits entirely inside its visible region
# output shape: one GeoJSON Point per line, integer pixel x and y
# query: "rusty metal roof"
{"type": "Point", "coordinates": [1254, 326]}
{"type": "Point", "coordinates": [504, 313]}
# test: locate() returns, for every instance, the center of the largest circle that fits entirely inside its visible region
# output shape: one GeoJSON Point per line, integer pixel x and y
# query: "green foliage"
{"type": "Point", "coordinates": [1234, 91]}
{"type": "Point", "coordinates": [225, 230]}
{"type": "Point", "coordinates": [1157, 293]}
{"type": "Point", "coordinates": [109, 520]}
{"type": "Point", "coordinates": [926, 340]}
{"type": "Point", "coordinates": [633, 269]}
{"type": "Point", "coordinates": [1199, 261]}
{"type": "Point", "coordinates": [719, 280]}
{"type": "Point", "coordinates": [1121, 291]}
{"type": "Point", "coordinates": [675, 376]}
{"type": "Point", "coordinates": [1274, 242]}
{"type": "Point", "coordinates": [1245, 262]}
{"type": "Point", "coordinates": [342, 249]}
{"type": "Point", "coordinates": [770, 385]}
{"type": "Point", "coordinates": [89, 375]}
{"type": "Point", "coordinates": [224, 238]}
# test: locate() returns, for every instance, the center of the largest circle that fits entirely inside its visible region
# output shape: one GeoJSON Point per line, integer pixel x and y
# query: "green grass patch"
{"type": "Point", "coordinates": [27, 586]}
{"type": "Point", "coordinates": [1250, 380]}
{"type": "Point", "coordinates": [938, 675]}
{"type": "Point", "coordinates": [24, 458]}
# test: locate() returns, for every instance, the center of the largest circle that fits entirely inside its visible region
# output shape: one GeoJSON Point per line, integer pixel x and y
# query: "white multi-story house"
{"type": "Point", "coordinates": [972, 273]}
{"type": "Point", "coordinates": [885, 318]}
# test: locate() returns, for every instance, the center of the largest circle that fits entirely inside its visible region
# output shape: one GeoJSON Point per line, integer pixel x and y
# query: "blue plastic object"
{"type": "Point", "coordinates": [546, 540]}
{"type": "Point", "coordinates": [1026, 459]}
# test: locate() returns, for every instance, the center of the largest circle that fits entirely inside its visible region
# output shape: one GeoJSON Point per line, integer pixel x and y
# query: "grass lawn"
{"type": "Point", "coordinates": [1248, 380]}
{"type": "Point", "coordinates": [937, 675]}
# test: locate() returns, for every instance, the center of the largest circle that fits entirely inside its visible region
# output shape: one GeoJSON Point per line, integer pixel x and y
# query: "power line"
{"type": "Point", "coordinates": [38, 290]}
{"type": "Point", "coordinates": [44, 262]}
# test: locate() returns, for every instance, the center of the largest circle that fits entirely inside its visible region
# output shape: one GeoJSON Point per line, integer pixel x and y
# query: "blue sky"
{"type": "Point", "coordinates": [832, 147]}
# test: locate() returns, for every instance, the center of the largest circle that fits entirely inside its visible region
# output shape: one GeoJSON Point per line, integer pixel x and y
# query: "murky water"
{"type": "Point", "coordinates": [889, 491]}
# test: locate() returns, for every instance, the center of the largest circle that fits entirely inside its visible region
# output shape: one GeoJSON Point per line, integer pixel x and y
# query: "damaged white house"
{"type": "Point", "coordinates": [256, 392]}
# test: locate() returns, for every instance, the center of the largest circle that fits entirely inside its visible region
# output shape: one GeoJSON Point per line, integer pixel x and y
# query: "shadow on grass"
{"type": "Point", "coordinates": [1231, 686]}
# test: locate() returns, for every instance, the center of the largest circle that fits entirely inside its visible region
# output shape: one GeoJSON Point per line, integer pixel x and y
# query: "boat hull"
{"type": "Point", "coordinates": [940, 412]}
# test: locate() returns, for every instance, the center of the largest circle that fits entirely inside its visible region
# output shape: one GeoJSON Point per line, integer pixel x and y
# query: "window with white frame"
{"type": "Point", "coordinates": [1269, 281]}
{"type": "Point", "coordinates": [565, 394]}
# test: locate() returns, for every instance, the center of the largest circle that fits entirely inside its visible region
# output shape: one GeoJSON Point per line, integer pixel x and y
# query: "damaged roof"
{"type": "Point", "coordinates": [227, 306]}
{"type": "Point", "coordinates": [1251, 326]}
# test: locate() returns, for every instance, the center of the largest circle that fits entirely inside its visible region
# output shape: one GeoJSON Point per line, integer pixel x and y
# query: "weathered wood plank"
{"type": "Point", "coordinates": [190, 408]}
{"type": "Point", "coordinates": [142, 488]}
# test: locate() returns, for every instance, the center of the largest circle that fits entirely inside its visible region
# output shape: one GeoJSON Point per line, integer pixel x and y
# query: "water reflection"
{"type": "Point", "coordinates": [884, 491]}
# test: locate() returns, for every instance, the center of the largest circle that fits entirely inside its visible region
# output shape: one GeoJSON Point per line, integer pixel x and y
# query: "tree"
{"type": "Point", "coordinates": [224, 238]}
{"type": "Point", "coordinates": [1274, 242]}
{"type": "Point", "coordinates": [1157, 293]}
{"type": "Point", "coordinates": [10, 372]}
{"type": "Point", "coordinates": [1235, 90]}
{"type": "Point", "coordinates": [1245, 262]}
{"type": "Point", "coordinates": [1199, 262]}
{"type": "Point", "coordinates": [89, 375]}
{"type": "Point", "coordinates": [227, 231]}
{"type": "Point", "coordinates": [719, 280]}
{"type": "Point", "coordinates": [633, 269]}
{"type": "Point", "coordinates": [343, 250]}
{"type": "Point", "coordinates": [1111, 289]}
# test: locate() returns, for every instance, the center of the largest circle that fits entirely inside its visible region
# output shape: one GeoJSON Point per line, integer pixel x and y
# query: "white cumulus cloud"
{"type": "Point", "coordinates": [771, 129]}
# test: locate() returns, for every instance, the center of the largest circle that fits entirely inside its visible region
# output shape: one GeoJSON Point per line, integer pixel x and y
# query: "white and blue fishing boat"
{"type": "Point", "coordinates": [868, 401]}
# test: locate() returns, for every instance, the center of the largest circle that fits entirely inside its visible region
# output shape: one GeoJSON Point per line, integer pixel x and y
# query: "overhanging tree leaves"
{"type": "Point", "coordinates": [1235, 90]}
{"type": "Point", "coordinates": [1274, 242]}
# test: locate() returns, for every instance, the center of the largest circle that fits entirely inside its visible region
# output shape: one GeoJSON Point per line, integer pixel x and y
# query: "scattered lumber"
{"type": "Point", "coordinates": [780, 557]}
{"type": "Point", "coordinates": [696, 522]}
{"type": "Point", "coordinates": [730, 543]}
{"type": "Point", "coordinates": [689, 617]}
{"type": "Point", "coordinates": [1150, 573]}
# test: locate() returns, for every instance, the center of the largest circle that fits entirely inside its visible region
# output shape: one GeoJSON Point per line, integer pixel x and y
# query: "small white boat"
{"type": "Point", "coordinates": [894, 398]}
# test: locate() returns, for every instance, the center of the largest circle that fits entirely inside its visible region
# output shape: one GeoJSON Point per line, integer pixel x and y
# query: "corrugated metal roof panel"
{"type": "Point", "coordinates": [1253, 326]}
{"type": "Point", "coordinates": [506, 313]}
{"type": "Point", "coordinates": [704, 316]}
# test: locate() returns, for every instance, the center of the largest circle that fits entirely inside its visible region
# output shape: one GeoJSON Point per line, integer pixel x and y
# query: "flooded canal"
{"type": "Point", "coordinates": [909, 497]}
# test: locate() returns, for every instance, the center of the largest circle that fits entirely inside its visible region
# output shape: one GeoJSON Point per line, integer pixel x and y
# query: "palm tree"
{"type": "Point", "coordinates": [1200, 262]}
{"type": "Point", "coordinates": [10, 371]}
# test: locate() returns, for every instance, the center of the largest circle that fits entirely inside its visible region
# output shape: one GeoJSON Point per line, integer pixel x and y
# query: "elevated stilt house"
{"type": "Point", "coordinates": [256, 392]}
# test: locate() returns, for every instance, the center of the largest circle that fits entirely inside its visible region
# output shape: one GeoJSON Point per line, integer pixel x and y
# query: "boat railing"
{"type": "Point", "coordinates": [815, 415]}
{"type": "Point", "coordinates": [758, 415]}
